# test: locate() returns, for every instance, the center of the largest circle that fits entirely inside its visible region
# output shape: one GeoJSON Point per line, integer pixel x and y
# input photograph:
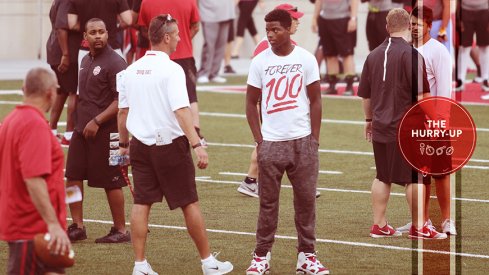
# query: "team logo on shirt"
{"type": "Point", "coordinates": [96, 70]}
{"type": "Point", "coordinates": [285, 85]}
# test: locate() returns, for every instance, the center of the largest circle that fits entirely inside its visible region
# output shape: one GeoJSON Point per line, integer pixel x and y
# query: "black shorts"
{"type": "Point", "coordinates": [188, 66]}
{"type": "Point", "coordinates": [475, 22]}
{"type": "Point", "coordinates": [391, 165]}
{"type": "Point", "coordinates": [335, 38]}
{"type": "Point", "coordinates": [163, 171]}
{"type": "Point", "coordinates": [376, 31]}
{"type": "Point", "coordinates": [231, 31]}
{"type": "Point", "coordinates": [89, 159]}
{"type": "Point", "coordinates": [68, 81]}
{"type": "Point", "coordinates": [23, 261]}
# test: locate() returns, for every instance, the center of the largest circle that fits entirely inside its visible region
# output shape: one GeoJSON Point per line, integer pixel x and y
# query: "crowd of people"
{"type": "Point", "coordinates": [141, 101]}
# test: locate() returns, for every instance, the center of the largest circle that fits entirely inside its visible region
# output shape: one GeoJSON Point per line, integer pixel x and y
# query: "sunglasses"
{"type": "Point", "coordinates": [163, 20]}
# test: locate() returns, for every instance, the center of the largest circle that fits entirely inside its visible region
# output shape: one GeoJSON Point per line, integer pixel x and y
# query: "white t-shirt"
{"type": "Point", "coordinates": [153, 88]}
{"type": "Point", "coordinates": [438, 67]}
{"type": "Point", "coordinates": [284, 101]}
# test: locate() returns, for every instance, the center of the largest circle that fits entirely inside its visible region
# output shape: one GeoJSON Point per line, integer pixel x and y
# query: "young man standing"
{"type": "Point", "coordinates": [155, 108]}
{"type": "Point", "coordinates": [96, 134]}
{"type": "Point", "coordinates": [439, 73]}
{"type": "Point", "coordinates": [286, 78]}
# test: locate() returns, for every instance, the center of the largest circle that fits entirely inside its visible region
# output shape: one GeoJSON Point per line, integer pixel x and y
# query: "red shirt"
{"type": "Point", "coordinates": [184, 11]}
{"type": "Point", "coordinates": [28, 149]}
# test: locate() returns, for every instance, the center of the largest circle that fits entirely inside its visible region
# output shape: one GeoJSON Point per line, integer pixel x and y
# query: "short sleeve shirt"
{"type": "Point", "coordinates": [97, 85]}
{"type": "Point", "coordinates": [153, 88]}
{"type": "Point", "coordinates": [107, 10]}
{"type": "Point", "coordinates": [28, 149]}
{"type": "Point", "coordinates": [184, 11]}
{"type": "Point", "coordinates": [393, 76]}
{"type": "Point", "coordinates": [284, 100]}
{"type": "Point", "coordinates": [58, 16]}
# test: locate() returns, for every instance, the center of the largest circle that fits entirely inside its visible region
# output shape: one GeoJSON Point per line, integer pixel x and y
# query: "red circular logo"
{"type": "Point", "coordinates": [437, 136]}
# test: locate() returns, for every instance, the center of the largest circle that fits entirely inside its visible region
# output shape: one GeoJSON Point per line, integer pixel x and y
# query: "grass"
{"type": "Point", "coordinates": [341, 216]}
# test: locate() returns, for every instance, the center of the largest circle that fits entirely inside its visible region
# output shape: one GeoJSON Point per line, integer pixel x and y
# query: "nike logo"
{"type": "Point", "coordinates": [215, 268]}
{"type": "Point", "coordinates": [144, 273]}
{"type": "Point", "coordinates": [423, 234]}
{"type": "Point", "coordinates": [385, 232]}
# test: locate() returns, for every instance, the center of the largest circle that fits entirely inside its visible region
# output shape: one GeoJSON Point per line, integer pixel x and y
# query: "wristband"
{"type": "Point", "coordinates": [196, 145]}
{"type": "Point", "coordinates": [123, 144]}
{"type": "Point", "coordinates": [258, 142]}
{"type": "Point", "coordinates": [96, 121]}
{"type": "Point", "coordinates": [368, 120]}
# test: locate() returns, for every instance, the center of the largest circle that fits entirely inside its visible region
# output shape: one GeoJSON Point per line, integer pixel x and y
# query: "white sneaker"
{"type": "Point", "coordinates": [448, 226]}
{"type": "Point", "coordinates": [203, 79]}
{"type": "Point", "coordinates": [259, 265]}
{"type": "Point", "coordinates": [485, 97]}
{"type": "Point", "coordinates": [307, 263]}
{"type": "Point", "coordinates": [217, 267]}
{"type": "Point", "coordinates": [248, 189]}
{"type": "Point", "coordinates": [219, 79]}
{"type": "Point", "coordinates": [143, 269]}
{"type": "Point", "coordinates": [407, 227]}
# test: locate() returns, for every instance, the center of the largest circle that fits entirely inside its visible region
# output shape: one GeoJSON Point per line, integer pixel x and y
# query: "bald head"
{"type": "Point", "coordinates": [38, 82]}
{"type": "Point", "coordinates": [397, 21]}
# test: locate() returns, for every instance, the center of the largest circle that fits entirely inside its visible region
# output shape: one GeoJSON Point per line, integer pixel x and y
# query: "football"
{"type": "Point", "coordinates": [41, 248]}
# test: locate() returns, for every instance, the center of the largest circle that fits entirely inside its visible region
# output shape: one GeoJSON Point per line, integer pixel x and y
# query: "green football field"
{"type": "Point", "coordinates": [343, 210]}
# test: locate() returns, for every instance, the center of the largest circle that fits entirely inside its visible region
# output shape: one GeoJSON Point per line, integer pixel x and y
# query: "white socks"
{"type": "Point", "coordinates": [141, 263]}
{"type": "Point", "coordinates": [484, 61]}
{"type": "Point", "coordinates": [463, 62]}
{"type": "Point", "coordinates": [208, 260]}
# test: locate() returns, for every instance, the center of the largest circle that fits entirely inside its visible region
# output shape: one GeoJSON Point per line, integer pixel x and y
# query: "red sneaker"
{"type": "Point", "coordinates": [383, 232]}
{"type": "Point", "coordinates": [427, 232]}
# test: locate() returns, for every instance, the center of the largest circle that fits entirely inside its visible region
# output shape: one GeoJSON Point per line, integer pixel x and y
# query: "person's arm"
{"type": "Point", "coordinates": [38, 192]}
{"type": "Point", "coordinates": [93, 125]}
{"type": "Point", "coordinates": [123, 132]}
{"type": "Point", "coordinates": [315, 15]}
{"type": "Point", "coordinates": [194, 29]}
{"type": "Point", "coordinates": [445, 18]}
{"type": "Point", "coordinates": [62, 35]}
{"type": "Point", "coordinates": [184, 118]}
{"type": "Point", "coordinates": [367, 110]}
{"type": "Point", "coordinates": [125, 18]}
{"type": "Point", "coordinates": [73, 22]}
{"type": "Point", "coordinates": [315, 103]}
{"type": "Point", "coordinates": [253, 94]}
{"type": "Point", "coordinates": [352, 23]}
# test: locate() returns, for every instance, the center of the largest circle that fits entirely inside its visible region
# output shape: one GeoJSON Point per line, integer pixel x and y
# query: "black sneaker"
{"type": "Point", "coordinates": [331, 80]}
{"type": "Point", "coordinates": [115, 236]}
{"type": "Point", "coordinates": [229, 70]}
{"type": "Point", "coordinates": [349, 85]}
{"type": "Point", "coordinates": [76, 234]}
{"type": "Point", "coordinates": [485, 86]}
{"type": "Point", "coordinates": [459, 86]}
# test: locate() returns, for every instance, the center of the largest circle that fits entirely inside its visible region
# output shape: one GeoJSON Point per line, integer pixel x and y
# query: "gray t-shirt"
{"type": "Point", "coordinates": [216, 10]}
{"type": "Point", "coordinates": [384, 5]}
{"type": "Point", "coordinates": [475, 5]}
{"type": "Point", "coordinates": [335, 9]}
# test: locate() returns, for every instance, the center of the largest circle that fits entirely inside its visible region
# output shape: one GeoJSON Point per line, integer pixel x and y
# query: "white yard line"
{"type": "Point", "coordinates": [319, 240]}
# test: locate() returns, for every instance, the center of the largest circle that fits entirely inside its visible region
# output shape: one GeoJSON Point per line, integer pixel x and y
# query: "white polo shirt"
{"type": "Point", "coordinates": [284, 100]}
{"type": "Point", "coordinates": [153, 88]}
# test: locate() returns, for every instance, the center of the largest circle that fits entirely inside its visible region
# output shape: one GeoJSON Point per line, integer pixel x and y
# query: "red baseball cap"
{"type": "Point", "coordinates": [290, 9]}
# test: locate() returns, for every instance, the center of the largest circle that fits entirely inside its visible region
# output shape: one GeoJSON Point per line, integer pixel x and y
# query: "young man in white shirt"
{"type": "Point", "coordinates": [154, 105]}
{"type": "Point", "coordinates": [439, 73]}
{"type": "Point", "coordinates": [286, 78]}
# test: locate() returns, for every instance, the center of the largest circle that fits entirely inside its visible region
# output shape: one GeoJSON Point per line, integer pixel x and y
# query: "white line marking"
{"type": "Point", "coordinates": [319, 240]}
{"type": "Point", "coordinates": [244, 175]}
{"type": "Point", "coordinates": [11, 92]}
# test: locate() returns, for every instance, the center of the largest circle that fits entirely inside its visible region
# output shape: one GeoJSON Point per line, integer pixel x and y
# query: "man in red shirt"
{"type": "Point", "coordinates": [187, 15]}
{"type": "Point", "coordinates": [32, 192]}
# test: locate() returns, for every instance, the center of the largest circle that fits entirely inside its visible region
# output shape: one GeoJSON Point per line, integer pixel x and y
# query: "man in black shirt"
{"type": "Point", "coordinates": [96, 136]}
{"type": "Point", "coordinates": [393, 79]}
